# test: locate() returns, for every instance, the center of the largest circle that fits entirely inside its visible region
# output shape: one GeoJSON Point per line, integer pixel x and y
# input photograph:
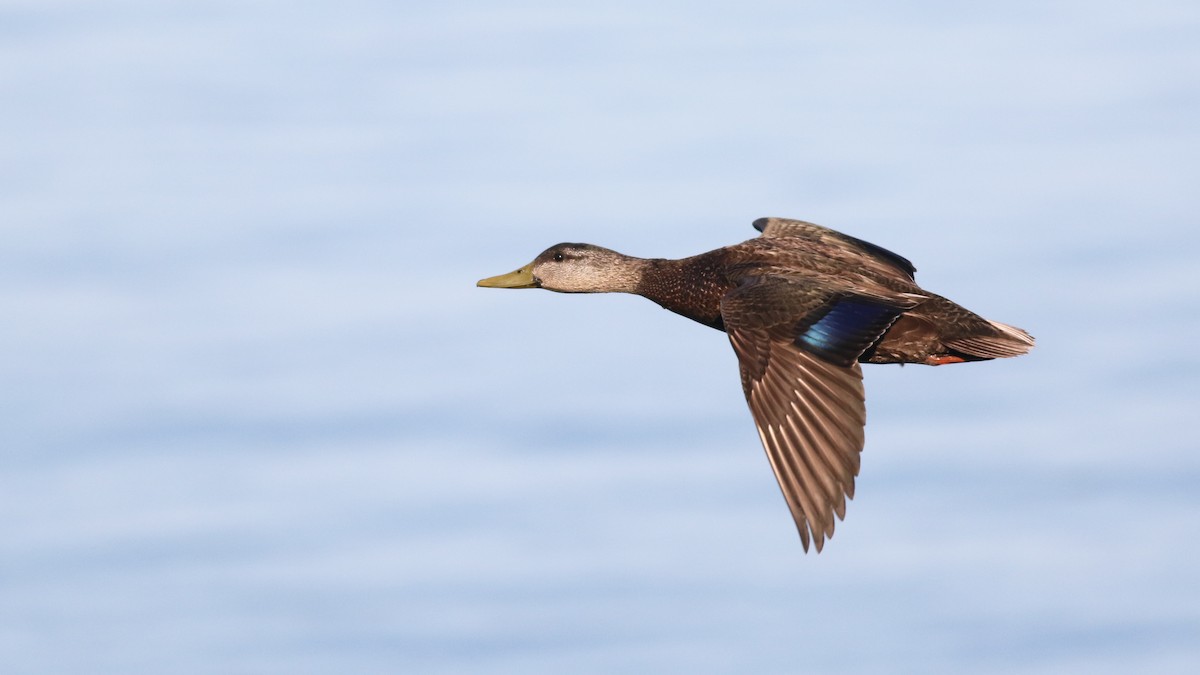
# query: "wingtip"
{"type": "Point", "coordinates": [820, 543]}
{"type": "Point", "coordinates": [813, 538]}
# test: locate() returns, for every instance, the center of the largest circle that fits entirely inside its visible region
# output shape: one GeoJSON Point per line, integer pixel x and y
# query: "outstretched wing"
{"type": "Point", "coordinates": [786, 227]}
{"type": "Point", "coordinates": [797, 349]}
{"type": "Point", "coordinates": [810, 417]}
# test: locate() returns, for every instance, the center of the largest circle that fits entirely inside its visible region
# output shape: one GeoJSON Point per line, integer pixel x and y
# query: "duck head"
{"type": "Point", "coordinates": [574, 268]}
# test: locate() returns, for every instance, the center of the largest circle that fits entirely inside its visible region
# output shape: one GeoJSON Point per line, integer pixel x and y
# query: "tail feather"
{"type": "Point", "coordinates": [1006, 341]}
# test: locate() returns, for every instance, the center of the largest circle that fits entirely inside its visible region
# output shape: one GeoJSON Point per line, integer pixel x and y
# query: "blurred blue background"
{"type": "Point", "coordinates": [256, 418]}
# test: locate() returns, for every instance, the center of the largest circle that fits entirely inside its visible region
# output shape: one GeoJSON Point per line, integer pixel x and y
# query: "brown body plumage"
{"type": "Point", "coordinates": [803, 305]}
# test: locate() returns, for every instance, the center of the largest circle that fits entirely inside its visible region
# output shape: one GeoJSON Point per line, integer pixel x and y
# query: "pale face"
{"type": "Point", "coordinates": [570, 268]}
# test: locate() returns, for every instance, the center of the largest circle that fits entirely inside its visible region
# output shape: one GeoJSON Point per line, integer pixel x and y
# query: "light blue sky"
{"type": "Point", "coordinates": [257, 418]}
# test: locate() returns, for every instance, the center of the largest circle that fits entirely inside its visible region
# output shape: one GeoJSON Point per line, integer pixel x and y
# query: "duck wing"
{"type": "Point", "coordinates": [817, 234]}
{"type": "Point", "coordinates": [797, 347]}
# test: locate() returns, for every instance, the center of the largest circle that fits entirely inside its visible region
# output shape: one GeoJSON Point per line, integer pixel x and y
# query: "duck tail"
{"type": "Point", "coordinates": [1003, 341]}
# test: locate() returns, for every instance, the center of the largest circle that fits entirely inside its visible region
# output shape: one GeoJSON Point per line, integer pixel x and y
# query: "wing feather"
{"type": "Point", "coordinates": [810, 416]}
{"type": "Point", "coordinates": [786, 227]}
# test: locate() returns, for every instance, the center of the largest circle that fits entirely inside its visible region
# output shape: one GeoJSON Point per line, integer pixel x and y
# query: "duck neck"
{"type": "Point", "coordinates": [626, 276]}
{"type": "Point", "coordinates": [688, 287]}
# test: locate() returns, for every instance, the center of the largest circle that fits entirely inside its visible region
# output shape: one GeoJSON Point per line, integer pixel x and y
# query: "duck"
{"type": "Point", "coordinates": [803, 307]}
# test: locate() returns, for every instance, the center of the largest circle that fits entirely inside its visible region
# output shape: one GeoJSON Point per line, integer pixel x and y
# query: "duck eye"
{"type": "Point", "coordinates": [558, 257]}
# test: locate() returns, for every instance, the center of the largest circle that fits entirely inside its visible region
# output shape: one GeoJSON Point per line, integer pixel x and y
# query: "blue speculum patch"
{"type": "Point", "coordinates": [847, 328]}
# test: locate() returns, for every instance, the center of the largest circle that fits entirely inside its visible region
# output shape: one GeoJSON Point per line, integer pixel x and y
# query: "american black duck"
{"type": "Point", "coordinates": [803, 305]}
